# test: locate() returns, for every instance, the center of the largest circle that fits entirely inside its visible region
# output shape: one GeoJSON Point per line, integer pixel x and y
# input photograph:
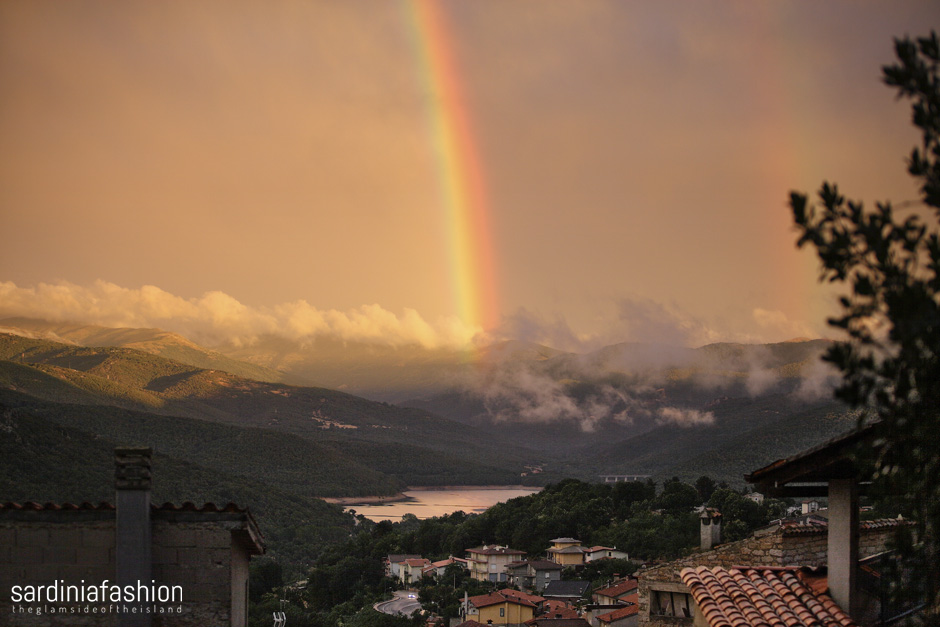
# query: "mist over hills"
{"type": "Point", "coordinates": [491, 416]}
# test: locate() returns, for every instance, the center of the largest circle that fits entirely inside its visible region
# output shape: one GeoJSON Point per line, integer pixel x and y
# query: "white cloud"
{"type": "Point", "coordinates": [685, 417]}
{"type": "Point", "coordinates": [216, 318]}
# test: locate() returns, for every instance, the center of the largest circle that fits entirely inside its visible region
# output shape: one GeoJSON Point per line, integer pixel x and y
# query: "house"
{"type": "Point", "coordinates": [757, 497]}
{"type": "Point", "coordinates": [393, 564]}
{"type": "Point", "coordinates": [488, 562]}
{"type": "Point", "coordinates": [544, 621]}
{"type": "Point", "coordinates": [533, 574]}
{"type": "Point", "coordinates": [603, 552]}
{"type": "Point", "coordinates": [436, 569]}
{"type": "Point", "coordinates": [809, 506]}
{"type": "Point", "coordinates": [616, 593]}
{"type": "Point", "coordinates": [567, 552]}
{"type": "Point", "coordinates": [504, 607]}
{"type": "Point", "coordinates": [621, 617]}
{"type": "Point", "coordinates": [411, 570]}
{"type": "Point", "coordinates": [553, 608]}
{"type": "Point", "coordinates": [784, 543]}
{"type": "Point", "coordinates": [624, 478]}
{"type": "Point", "coordinates": [841, 544]}
{"type": "Point", "coordinates": [195, 558]}
{"type": "Point", "coordinates": [568, 591]}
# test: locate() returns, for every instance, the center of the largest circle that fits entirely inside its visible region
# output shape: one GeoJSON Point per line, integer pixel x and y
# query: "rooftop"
{"type": "Point", "coordinates": [618, 590]}
{"type": "Point", "coordinates": [741, 597]}
{"type": "Point", "coordinates": [805, 474]}
{"type": "Point", "coordinates": [187, 512]}
{"type": "Point", "coordinates": [496, 598]}
{"type": "Point", "coordinates": [566, 588]}
{"type": "Point", "coordinates": [495, 550]}
{"type": "Point", "coordinates": [623, 612]}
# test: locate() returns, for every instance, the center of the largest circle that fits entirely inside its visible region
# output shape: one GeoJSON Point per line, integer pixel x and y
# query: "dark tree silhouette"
{"type": "Point", "coordinates": [890, 362]}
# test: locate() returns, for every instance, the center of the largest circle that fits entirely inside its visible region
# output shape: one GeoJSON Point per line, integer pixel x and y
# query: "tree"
{"type": "Point", "coordinates": [705, 486]}
{"type": "Point", "coordinates": [890, 361]}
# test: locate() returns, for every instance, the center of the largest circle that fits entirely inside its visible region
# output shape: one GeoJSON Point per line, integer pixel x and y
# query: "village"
{"type": "Point", "coordinates": [818, 565]}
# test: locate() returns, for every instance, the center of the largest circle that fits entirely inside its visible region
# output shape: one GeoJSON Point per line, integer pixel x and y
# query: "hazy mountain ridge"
{"type": "Point", "coordinates": [510, 407]}
{"type": "Point", "coordinates": [353, 427]}
{"type": "Point", "coordinates": [155, 341]}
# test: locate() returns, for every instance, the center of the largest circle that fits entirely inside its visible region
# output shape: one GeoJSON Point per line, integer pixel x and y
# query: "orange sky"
{"type": "Point", "coordinates": [277, 158]}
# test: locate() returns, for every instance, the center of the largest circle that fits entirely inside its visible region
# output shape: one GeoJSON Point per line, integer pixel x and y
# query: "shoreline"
{"type": "Point", "coordinates": [402, 497]}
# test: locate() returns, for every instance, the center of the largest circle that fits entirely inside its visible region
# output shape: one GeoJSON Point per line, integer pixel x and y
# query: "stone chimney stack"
{"type": "Point", "coordinates": [710, 528]}
{"type": "Point", "coordinates": [133, 533]}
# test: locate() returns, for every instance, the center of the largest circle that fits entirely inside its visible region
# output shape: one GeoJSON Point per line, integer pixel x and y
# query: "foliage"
{"type": "Point", "coordinates": [601, 572]}
{"type": "Point", "coordinates": [264, 575]}
{"type": "Point", "coordinates": [890, 362]}
{"type": "Point", "coordinates": [705, 486]}
{"type": "Point", "coordinates": [741, 515]}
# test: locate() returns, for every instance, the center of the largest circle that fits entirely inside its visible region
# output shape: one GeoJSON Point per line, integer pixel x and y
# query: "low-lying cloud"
{"type": "Point", "coordinates": [216, 318]}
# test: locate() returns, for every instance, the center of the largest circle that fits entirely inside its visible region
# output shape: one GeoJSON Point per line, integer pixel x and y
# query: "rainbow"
{"type": "Point", "coordinates": [459, 173]}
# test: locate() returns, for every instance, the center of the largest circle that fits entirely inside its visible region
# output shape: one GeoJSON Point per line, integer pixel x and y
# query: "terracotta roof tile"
{"type": "Point", "coordinates": [496, 598]}
{"type": "Point", "coordinates": [623, 612]}
{"type": "Point", "coordinates": [618, 590]}
{"type": "Point", "coordinates": [741, 597]}
{"type": "Point", "coordinates": [31, 505]}
{"type": "Point", "coordinates": [819, 526]}
{"type": "Point", "coordinates": [188, 506]}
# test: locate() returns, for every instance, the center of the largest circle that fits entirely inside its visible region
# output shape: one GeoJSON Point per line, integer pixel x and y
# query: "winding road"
{"type": "Point", "coordinates": [404, 602]}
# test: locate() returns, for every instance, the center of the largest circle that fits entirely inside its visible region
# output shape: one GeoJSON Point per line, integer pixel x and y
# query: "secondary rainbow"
{"type": "Point", "coordinates": [459, 172]}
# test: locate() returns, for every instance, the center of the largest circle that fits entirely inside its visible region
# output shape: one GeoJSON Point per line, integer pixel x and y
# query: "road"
{"type": "Point", "coordinates": [404, 602]}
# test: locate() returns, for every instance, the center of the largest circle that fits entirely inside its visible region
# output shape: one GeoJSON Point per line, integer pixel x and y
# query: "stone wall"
{"type": "Point", "coordinates": [42, 547]}
{"type": "Point", "coordinates": [198, 557]}
{"type": "Point", "coordinates": [42, 552]}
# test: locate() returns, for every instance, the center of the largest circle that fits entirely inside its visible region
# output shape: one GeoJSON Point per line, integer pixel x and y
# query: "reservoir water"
{"type": "Point", "coordinates": [427, 503]}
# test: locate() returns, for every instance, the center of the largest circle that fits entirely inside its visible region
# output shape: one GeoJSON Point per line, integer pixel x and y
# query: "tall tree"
{"type": "Point", "coordinates": [890, 362]}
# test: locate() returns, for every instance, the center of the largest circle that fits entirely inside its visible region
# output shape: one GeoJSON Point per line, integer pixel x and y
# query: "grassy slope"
{"type": "Point", "coordinates": [43, 461]}
{"type": "Point", "coordinates": [154, 341]}
{"type": "Point", "coordinates": [412, 445]}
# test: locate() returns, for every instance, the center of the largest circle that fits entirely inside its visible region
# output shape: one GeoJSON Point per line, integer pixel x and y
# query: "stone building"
{"type": "Point", "coordinates": [665, 600]}
{"type": "Point", "coordinates": [126, 564]}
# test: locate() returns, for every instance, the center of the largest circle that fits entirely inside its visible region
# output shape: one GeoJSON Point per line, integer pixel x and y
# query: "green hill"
{"type": "Point", "coordinates": [374, 435]}
{"type": "Point", "coordinates": [154, 341]}
{"type": "Point", "coordinates": [44, 461]}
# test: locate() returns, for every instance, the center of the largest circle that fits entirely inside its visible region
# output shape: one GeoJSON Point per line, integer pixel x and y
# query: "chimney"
{"type": "Point", "coordinates": [710, 528]}
{"type": "Point", "coordinates": [133, 533]}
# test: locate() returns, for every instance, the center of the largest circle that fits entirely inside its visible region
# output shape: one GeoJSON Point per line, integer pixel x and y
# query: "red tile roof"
{"type": "Point", "coordinates": [166, 511]}
{"type": "Point", "coordinates": [496, 598]}
{"type": "Point", "coordinates": [623, 612]}
{"type": "Point", "coordinates": [54, 506]}
{"type": "Point", "coordinates": [522, 596]}
{"type": "Point", "coordinates": [553, 608]}
{"type": "Point", "coordinates": [818, 526]}
{"type": "Point", "coordinates": [618, 590]}
{"type": "Point", "coordinates": [188, 506]}
{"type": "Point", "coordinates": [543, 621]}
{"type": "Point", "coordinates": [742, 597]}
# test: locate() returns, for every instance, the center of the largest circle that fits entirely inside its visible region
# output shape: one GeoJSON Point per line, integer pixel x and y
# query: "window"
{"type": "Point", "coordinates": [665, 603]}
{"type": "Point", "coordinates": [502, 612]}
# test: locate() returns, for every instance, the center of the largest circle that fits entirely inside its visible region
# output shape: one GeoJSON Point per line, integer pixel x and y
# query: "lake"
{"type": "Point", "coordinates": [427, 503]}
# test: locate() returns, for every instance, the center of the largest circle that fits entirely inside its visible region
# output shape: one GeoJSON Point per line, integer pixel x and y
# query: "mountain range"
{"type": "Point", "coordinates": [512, 412]}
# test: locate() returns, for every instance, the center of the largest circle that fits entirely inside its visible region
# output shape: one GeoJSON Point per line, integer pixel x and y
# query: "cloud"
{"type": "Point", "coordinates": [529, 326]}
{"type": "Point", "coordinates": [685, 417]}
{"type": "Point", "coordinates": [653, 322]}
{"type": "Point", "coordinates": [519, 393]}
{"type": "Point", "coordinates": [775, 322]}
{"type": "Point", "coordinates": [217, 318]}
